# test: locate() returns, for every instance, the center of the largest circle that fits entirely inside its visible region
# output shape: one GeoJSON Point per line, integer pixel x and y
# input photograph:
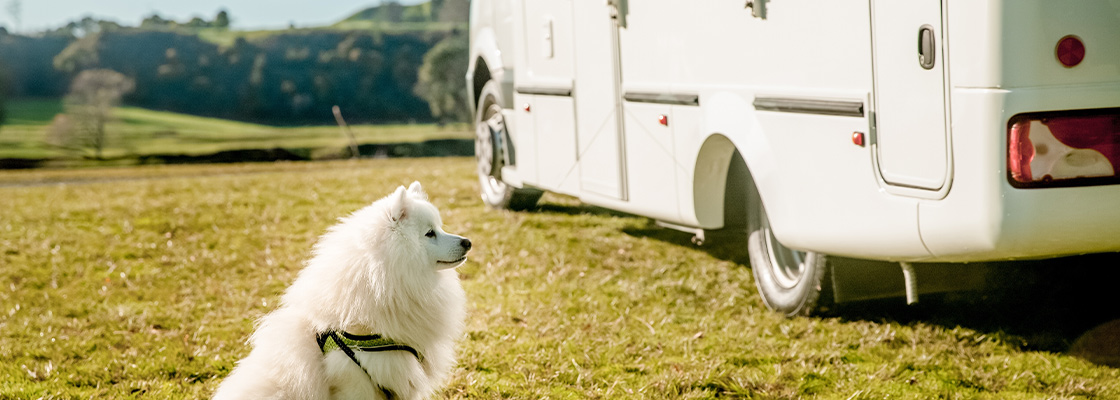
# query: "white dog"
{"type": "Point", "coordinates": [373, 315]}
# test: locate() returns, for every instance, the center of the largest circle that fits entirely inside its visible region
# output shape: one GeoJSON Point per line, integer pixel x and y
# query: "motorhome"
{"type": "Point", "coordinates": [908, 132]}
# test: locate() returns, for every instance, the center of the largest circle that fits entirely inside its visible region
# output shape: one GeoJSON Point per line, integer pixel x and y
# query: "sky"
{"type": "Point", "coordinates": [38, 15]}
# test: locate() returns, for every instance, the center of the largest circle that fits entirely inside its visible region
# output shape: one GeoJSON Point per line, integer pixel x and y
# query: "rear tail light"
{"type": "Point", "coordinates": [1068, 148]}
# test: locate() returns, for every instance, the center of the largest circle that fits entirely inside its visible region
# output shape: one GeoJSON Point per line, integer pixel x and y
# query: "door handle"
{"type": "Point", "coordinates": [927, 47]}
{"type": "Point", "coordinates": [618, 9]}
{"type": "Point", "coordinates": [758, 8]}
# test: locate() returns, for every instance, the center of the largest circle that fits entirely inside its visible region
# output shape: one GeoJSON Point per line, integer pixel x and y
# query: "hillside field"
{"type": "Point", "coordinates": [138, 132]}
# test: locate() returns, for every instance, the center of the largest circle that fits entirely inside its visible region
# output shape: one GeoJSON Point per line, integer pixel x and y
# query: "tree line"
{"type": "Point", "coordinates": [287, 77]}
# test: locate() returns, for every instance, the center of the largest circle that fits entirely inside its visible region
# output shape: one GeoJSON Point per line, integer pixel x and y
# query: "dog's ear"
{"type": "Point", "coordinates": [398, 204]}
{"type": "Point", "coordinates": [417, 191]}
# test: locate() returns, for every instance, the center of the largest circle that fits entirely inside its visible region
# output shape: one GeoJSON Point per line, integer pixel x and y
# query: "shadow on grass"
{"type": "Point", "coordinates": [579, 209]}
{"type": "Point", "coordinates": [1044, 305]}
{"type": "Point", "coordinates": [728, 245]}
{"type": "Point", "coordinates": [1041, 305]}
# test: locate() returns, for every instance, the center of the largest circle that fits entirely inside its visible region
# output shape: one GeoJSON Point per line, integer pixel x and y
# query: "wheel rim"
{"type": "Point", "coordinates": [487, 149]}
{"type": "Point", "coordinates": [787, 265]}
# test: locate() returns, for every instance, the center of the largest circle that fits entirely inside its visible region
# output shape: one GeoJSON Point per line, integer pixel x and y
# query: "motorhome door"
{"type": "Point", "coordinates": [910, 102]}
{"type": "Point", "coordinates": [597, 102]}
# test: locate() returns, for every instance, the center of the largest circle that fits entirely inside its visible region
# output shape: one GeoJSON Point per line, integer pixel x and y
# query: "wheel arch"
{"type": "Point", "coordinates": [734, 136]}
{"type": "Point", "coordinates": [711, 182]}
{"type": "Point", "coordinates": [485, 65]}
{"type": "Point", "coordinates": [476, 80]}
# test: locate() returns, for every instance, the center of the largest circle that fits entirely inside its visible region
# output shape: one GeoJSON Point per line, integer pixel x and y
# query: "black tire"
{"type": "Point", "coordinates": [791, 282]}
{"type": "Point", "coordinates": [492, 150]}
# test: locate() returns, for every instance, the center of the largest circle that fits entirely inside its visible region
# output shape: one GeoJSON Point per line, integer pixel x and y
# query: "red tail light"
{"type": "Point", "coordinates": [1020, 150]}
{"type": "Point", "coordinates": [1068, 148]}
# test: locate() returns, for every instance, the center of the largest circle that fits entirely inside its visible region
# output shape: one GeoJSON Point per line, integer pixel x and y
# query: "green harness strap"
{"type": "Point", "coordinates": [331, 340]}
{"type": "Point", "coordinates": [349, 343]}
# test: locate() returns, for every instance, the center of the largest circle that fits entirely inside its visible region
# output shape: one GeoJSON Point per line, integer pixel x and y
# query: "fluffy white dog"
{"type": "Point", "coordinates": [373, 315]}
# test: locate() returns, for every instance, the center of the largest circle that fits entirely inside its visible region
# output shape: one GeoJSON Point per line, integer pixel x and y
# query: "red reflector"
{"type": "Point", "coordinates": [1069, 148]}
{"type": "Point", "coordinates": [1070, 51]}
{"type": "Point", "coordinates": [663, 119]}
{"type": "Point", "coordinates": [857, 138]}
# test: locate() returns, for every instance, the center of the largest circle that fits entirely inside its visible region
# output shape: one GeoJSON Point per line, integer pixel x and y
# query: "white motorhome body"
{"type": "Point", "coordinates": [917, 131]}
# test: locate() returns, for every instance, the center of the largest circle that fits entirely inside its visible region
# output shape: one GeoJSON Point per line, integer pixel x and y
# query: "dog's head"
{"type": "Point", "coordinates": [414, 218]}
{"type": "Point", "coordinates": [404, 228]}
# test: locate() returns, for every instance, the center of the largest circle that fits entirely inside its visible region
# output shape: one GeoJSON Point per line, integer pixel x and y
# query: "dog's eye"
{"type": "Point", "coordinates": [431, 233]}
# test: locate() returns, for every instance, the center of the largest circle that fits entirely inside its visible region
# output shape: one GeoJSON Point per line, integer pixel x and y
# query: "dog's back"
{"type": "Point", "coordinates": [284, 364]}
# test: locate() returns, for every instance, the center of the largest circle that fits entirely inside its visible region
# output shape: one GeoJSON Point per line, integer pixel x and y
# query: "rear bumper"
{"type": "Point", "coordinates": [984, 218]}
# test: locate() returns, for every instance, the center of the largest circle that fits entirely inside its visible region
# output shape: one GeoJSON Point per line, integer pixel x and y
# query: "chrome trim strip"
{"type": "Point", "coordinates": [844, 108]}
{"type": "Point", "coordinates": [546, 91]}
{"type": "Point", "coordinates": [679, 99]}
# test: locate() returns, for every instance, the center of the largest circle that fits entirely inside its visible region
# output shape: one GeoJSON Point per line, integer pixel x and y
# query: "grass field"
{"type": "Point", "coordinates": [138, 132]}
{"type": "Point", "coordinates": [145, 282]}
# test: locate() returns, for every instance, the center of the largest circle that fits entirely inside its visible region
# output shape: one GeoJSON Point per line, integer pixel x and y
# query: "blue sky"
{"type": "Point", "coordinates": [37, 15]}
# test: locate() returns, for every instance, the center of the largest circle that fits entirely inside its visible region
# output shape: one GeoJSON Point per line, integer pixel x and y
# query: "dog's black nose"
{"type": "Point", "coordinates": [466, 243]}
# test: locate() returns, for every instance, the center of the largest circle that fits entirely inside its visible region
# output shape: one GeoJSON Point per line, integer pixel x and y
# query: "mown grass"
{"type": "Point", "coordinates": [148, 284]}
{"type": "Point", "coordinates": [137, 132]}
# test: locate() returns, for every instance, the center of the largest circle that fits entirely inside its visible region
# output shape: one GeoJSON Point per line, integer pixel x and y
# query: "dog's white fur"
{"type": "Point", "coordinates": [379, 271]}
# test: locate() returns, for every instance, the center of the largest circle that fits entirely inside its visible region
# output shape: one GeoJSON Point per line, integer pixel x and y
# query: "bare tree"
{"type": "Point", "coordinates": [89, 105]}
{"type": "Point", "coordinates": [15, 10]}
{"type": "Point", "coordinates": [61, 131]}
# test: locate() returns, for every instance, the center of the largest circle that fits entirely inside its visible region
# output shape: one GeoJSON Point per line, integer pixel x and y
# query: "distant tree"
{"type": "Point", "coordinates": [61, 133]}
{"type": "Point", "coordinates": [370, 74]}
{"type": "Point", "coordinates": [83, 27]}
{"type": "Point", "coordinates": [27, 62]}
{"type": "Point", "coordinates": [65, 31]}
{"type": "Point", "coordinates": [93, 94]}
{"type": "Point", "coordinates": [222, 20]}
{"type": "Point", "coordinates": [3, 96]}
{"type": "Point", "coordinates": [156, 21]}
{"type": "Point", "coordinates": [87, 25]}
{"type": "Point", "coordinates": [81, 54]}
{"type": "Point", "coordinates": [104, 26]}
{"type": "Point", "coordinates": [392, 11]}
{"type": "Point", "coordinates": [15, 10]}
{"type": "Point", "coordinates": [197, 22]}
{"type": "Point", "coordinates": [453, 10]}
{"type": "Point", "coordinates": [442, 79]}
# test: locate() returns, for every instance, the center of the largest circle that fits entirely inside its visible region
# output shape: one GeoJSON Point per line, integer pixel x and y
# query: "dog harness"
{"type": "Point", "coordinates": [348, 343]}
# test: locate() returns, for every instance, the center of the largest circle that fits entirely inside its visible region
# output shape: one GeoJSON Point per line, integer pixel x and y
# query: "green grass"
{"type": "Point", "coordinates": [137, 132]}
{"type": "Point", "coordinates": [145, 282]}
